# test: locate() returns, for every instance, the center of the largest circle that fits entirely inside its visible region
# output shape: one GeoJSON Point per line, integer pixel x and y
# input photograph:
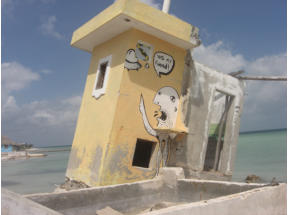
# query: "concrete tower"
{"type": "Point", "coordinates": [134, 116]}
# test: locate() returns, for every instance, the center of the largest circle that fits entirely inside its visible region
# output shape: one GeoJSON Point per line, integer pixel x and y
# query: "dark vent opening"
{"type": "Point", "coordinates": [143, 152]}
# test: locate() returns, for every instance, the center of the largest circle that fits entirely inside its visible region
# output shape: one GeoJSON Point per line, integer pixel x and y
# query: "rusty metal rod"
{"type": "Point", "coordinates": [263, 78]}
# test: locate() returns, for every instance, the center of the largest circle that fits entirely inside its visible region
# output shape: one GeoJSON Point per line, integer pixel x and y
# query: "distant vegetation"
{"type": "Point", "coordinates": [5, 141]}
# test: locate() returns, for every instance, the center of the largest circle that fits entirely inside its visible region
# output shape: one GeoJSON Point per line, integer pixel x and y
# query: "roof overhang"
{"type": "Point", "coordinates": [126, 14]}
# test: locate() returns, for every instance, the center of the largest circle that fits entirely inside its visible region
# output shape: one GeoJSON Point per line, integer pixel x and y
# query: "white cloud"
{"type": "Point", "coordinates": [38, 119]}
{"type": "Point", "coordinates": [16, 77]}
{"type": "Point", "coordinates": [265, 101]}
{"type": "Point", "coordinates": [52, 113]}
{"type": "Point", "coordinates": [266, 93]}
{"type": "Point", "coordinates": [74, 101]}
{"type": "Point", "coordinates": [41, 122]}
{"type": "Point", "coordinates": [218, 56]}
{"type": "Point", "coordinates": [152, 3]}
{"type": "Point", "coordinates": [10, 105]}
{"type": "Point", "coordinates": [48, 28]}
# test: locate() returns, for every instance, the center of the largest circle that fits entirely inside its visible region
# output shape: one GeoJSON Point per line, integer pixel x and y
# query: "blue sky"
{"type": "Point", "coordinates": [43, 77]}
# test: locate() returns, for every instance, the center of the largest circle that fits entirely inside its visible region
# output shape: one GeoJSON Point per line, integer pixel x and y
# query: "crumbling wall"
{"type": "Point", "coordinates": [199, 88]}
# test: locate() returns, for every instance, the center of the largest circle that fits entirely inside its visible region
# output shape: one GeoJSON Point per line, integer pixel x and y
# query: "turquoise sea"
{"type": "Point", "coordinates": [262, 153]}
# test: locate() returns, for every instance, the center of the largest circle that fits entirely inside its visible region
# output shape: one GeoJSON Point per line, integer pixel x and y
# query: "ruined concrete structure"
{"type": "Point", "coordinates": [212, 105]}
{"type": "Point", "coordinates": [168, 194]}
{"type": "Point", "coordinates": [147, 104]}
{"type": "Point", "coordinates": [149, 111]}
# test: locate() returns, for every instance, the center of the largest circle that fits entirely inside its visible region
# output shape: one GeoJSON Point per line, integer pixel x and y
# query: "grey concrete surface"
{"type": "Point", "coordinates": [259, 201]}
{"type": "Point", "coordinates": [108, 211]}
{"type": "Point", "coordinates": [192, 190]}
{"type": "Point", "coordinates": [123, 198]}
{"type": "Point", "coordinates": [184, 196]}
{"type": "Point", "coordinates": [15, 204]}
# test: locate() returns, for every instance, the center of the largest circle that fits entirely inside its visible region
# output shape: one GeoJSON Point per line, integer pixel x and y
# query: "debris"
{"type": "Point", "coordinates": [162, 205]}
{"type": "Point", "coordinates": [72, 185]}
{"type": "Point", "coordinates": [252, 179]}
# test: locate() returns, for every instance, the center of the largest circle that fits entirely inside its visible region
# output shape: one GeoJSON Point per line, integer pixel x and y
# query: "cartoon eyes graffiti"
{"type": "Point", "coordinates": [173, 99]}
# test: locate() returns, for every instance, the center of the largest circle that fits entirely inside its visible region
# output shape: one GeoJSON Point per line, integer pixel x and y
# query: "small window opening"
{"type": "Point", "coordinates": [220, 109]}
{"type": "Point", "coordinates": [143, 152]}
{"type": "Point", "coordinates": [101, 75]}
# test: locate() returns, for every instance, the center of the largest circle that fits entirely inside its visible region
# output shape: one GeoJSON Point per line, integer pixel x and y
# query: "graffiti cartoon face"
{"type": "Point", "coordinates": [167, 98]}
{"type": "Point", "coordinates": [131, 61]}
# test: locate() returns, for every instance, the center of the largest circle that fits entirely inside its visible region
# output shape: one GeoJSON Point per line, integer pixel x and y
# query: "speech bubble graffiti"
{"type": "Point", "coordinates": [144, 51]}
{"type": "Point", "coordinates": [163, 63]}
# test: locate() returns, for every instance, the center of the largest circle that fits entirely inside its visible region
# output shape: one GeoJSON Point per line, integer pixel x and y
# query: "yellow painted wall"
{"type": "Point", "coordinates": [96, 116]}
{"type": "Point", "coordinates": [128, 124]}
{"type": "Point", "coordinates": [108, 127]}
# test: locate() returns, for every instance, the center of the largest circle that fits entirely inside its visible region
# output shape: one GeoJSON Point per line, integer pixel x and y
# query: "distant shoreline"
{"type": "Point", "coordinates": [242, 132]}
{"type": "Point", "coordinates": [263, 131]}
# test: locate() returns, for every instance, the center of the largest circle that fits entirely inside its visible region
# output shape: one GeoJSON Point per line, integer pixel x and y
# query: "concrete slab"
{"type": "Point", "coordinates": [108, 211]}
{"type": "Point", "coordinates": [15, 204]}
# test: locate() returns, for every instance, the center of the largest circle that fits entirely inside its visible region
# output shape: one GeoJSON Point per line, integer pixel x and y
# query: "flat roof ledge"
{"type": "Point", "coordinates": [126, 14]}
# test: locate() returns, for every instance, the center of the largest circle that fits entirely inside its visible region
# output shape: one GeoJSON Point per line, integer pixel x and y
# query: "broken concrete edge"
{"type": "Point", "coordinates": [225, 182]}
{"type": "Point", "coordinates": [95, 188]}
{"type": "Point", "coordinates": [165, 173]}
{"type": "Point", "coordinates": [168, 175]}
{"type": "Point", "coordinates": [13, 203]}
{"type": "Point", "coordinates": [69, 201]}
{"type": "Point", "coordinates": [206, 175]}
{"type": "Point", "coordinates": [147, 184]}
{"type": "Point", "coordinates": [243, 202]}
{"type": "Point", "coordinates": [90, 199]}
{"type": "Point", "coordinates": [108, 211]}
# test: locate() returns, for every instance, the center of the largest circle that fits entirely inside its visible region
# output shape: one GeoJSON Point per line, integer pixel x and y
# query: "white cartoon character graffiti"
{"type": "Point", "coordinates": [168, 100]}
{"type": "Point", "coordinates": [131, 61]}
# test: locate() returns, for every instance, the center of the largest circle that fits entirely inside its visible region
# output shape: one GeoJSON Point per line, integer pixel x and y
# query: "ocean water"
{"type": "Point", "coordinates": [36, 175]}
{"type": "Point", "coordinates": [260, 153]}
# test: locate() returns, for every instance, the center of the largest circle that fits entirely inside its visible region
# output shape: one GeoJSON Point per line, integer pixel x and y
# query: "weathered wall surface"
{"type": "Point", "coordinates": [15, 204]}
{"type": "Point", "coordinates": [209, 189]}
{"type": "Point", "coordinates": [199, 88]}
{"type": "Point", "coordinates": [124, 198]}
{"type": "Point", "coordinates": [143, 93]}
{"type": "Point", "coordinates": [159, 85]}
{"type": "Point", "coordinates": [264, 201]}
{"type": "Point", "coordinates": [92, 134]}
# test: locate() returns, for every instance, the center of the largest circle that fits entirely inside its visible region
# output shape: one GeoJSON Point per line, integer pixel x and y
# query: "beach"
{"type": "Point", "coordinates": [261, 153]}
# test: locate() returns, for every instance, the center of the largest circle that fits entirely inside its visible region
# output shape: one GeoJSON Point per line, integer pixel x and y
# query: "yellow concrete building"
{"type": "Point", "coordinates": [132, 95]}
